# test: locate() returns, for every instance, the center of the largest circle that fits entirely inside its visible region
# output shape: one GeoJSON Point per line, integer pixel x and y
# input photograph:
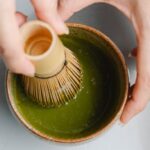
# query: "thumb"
{"type": "Point", "coordinates": [141, 91]}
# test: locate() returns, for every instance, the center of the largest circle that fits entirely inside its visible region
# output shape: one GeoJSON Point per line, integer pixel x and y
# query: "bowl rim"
{"type": "Point", "coordinates": [99, 131]}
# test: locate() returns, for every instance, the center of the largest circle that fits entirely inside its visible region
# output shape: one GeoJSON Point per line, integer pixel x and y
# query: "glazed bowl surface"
{"type": "Point", "coordinates": [98, 104]}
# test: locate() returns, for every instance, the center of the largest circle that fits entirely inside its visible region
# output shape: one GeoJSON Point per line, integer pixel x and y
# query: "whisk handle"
{"type": "Point", "coordinates": [43, 47]}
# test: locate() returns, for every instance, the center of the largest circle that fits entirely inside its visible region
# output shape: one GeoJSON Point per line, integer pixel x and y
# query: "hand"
{"type": "Point", "coordinates": [57, 11]}
{"type": "Point", "coordinates": [11, 49]}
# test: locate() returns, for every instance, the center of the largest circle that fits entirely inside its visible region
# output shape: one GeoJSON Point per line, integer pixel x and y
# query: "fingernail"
{"type": "Point", "coordinates": [29, 70]}
{"type": "Point", "coordinates": [29, 73]}
{"type": "Point", "coordinates": [121, 124]}
{"type": "Point", "coordinates": [66, 30]}
{"type": "Point", "coordinates": [61, 27]}
{"type": "Point", "coordinates": [26, 17]}
{"type": "Point", "coordinates": [63, 30]}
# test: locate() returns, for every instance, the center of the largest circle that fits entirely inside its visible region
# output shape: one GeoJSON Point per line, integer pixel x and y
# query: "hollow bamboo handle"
{"type": "Point", "coordinates": [51, 61]}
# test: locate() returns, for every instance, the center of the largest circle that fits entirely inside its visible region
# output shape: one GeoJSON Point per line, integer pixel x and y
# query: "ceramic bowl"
{"type": "Point", "coordinates": [97, 106]}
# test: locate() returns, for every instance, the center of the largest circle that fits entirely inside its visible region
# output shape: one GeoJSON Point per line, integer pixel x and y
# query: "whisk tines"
{"type": "Point", "coordinates": [59, 89]}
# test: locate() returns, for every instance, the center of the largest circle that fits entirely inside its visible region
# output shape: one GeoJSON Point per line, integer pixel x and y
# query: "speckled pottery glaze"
{"type": "Point", "coordinates": [96, 107]}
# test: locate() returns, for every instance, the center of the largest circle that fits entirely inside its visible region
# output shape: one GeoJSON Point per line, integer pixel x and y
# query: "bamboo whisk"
{"type": "Point", "coordinates": [58, 73]}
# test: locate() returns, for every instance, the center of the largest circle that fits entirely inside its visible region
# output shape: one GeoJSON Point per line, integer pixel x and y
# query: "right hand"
{"type": "Point", "coordinates": [55, 12]}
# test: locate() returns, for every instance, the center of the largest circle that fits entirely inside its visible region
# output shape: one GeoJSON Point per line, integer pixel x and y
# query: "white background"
{"type": "Point", "coordinates": [133, 136]}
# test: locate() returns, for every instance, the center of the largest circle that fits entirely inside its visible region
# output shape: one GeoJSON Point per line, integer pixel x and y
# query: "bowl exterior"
{"type": "Point", "coordinates": [99, 132]}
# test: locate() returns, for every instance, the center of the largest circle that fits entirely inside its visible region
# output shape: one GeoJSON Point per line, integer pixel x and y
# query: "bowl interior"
{"type": "Point", "coordinates": [103, 92]}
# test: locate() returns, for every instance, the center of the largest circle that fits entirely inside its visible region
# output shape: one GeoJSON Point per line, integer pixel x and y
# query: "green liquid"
{"type": "Point", "coordinates": [95, 105]}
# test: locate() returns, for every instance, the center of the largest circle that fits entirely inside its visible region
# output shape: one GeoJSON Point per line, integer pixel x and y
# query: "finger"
{"type": "Point", "coordinates": [47, 11]}
{"type": "Point", "coordinates": [66, 8]}
{"type": "Point", "coordinates": [21, 18]}
{"type": "Point", "coordinates": [141, 92]}
{"type": "Point", "coordinates": [10, 41]}
{"type": "Point", "coordinates": [132, 108]}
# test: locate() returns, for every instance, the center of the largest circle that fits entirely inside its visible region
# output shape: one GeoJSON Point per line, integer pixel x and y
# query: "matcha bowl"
{"type": "Point", "coordinates": [98, 104]}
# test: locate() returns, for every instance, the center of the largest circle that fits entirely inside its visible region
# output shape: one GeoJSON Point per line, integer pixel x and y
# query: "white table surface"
{"type": "Point", "coordinates": [133, 136]}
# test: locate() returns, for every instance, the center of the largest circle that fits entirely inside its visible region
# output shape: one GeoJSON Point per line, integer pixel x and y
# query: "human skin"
{"type": "Point", "coordinates": [55, 12]}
